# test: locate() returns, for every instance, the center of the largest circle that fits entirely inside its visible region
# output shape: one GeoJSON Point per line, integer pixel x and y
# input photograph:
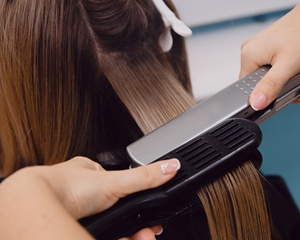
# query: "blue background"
{"type": "Point", "coordinates": [281, 147]}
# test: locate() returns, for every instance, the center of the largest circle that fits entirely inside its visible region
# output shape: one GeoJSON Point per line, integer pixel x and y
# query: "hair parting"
{"type": "Point", "coordinates": [141, 75]}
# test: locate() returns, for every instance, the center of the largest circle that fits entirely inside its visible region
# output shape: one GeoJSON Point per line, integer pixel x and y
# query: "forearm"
{"type": "Point", "coordinates": [30, 210]}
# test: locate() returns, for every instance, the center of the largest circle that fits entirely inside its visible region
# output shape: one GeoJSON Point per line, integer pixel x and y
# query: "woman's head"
{"type": "Point", "coordinates": [59, 61]}
{"type": "Point", "coordinates": [81, 77]}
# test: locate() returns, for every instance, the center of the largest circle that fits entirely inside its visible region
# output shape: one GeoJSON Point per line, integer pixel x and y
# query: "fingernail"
{"type": "Point", "coordinates": [258, 101]}
{"type": "Point", "coordinates": [159, 233]}
{"type": "Point", "coordinates": [170, 166]}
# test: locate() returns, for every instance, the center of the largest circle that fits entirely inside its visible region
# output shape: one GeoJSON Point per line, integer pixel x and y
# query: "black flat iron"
{"type": "Point", "coordinates": [202, 159]}
{"type": "Point", "coordinates": [209, 140]}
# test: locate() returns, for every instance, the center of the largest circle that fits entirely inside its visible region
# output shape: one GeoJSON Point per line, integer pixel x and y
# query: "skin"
{"type": "Point", "coordinates": [52, 198]}
{"type": "Point", "coordinates": [278, 46]}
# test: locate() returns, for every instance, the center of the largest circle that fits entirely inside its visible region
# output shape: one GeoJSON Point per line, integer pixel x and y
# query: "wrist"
{"type": "Point", "coordinates": [48, 178]}
{"type": "Point", "coordinates": [31, 179]}
{"type": "Point", "coordinates": [29, 207]}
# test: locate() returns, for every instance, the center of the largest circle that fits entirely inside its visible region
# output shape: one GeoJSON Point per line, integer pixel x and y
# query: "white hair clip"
{"type": "Point", "coordinates": [170, 21]}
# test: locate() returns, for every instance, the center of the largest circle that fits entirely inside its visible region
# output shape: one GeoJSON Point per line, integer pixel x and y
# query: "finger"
{"type": "Point", "coordinates": [157, 230]}
{"type": "Point", "coordinates": [247, 66]}
{"type": "Point", "coordinates": [144, 234]}
{"type": "Point", "coordinates": [249, 59]}
{"type": "Point", "coordinates": [269, 86]}
{"type": "Point", "coordinates": [297, 100]}
{"type": "Point", "coordinates": [125, 182]}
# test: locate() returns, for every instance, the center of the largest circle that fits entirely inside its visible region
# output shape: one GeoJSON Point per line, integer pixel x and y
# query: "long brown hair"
{"type": "Point", "coordinates": [81, 77]}
{"type": "Point", "coordinates": [55, 101]}
{"type": "Point", "coordinates": [235, 205]}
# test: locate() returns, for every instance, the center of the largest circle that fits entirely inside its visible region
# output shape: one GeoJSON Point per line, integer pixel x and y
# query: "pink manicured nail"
{"type": "Point", "coordinates": [259, 101]}
{"type": "Point", "coordinates": [159, 233]}
{"type": "Point", "coordinates": [170, 166]}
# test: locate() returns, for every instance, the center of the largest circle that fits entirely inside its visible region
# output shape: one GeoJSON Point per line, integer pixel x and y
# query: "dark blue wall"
{"type": "Point", "coordinates": [281, 147]}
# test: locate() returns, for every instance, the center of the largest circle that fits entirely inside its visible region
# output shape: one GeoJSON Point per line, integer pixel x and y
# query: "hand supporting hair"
{"type": "Point", "coordinates": [279, 46]}
{"type": "Point", "coordinates": [46, 201]}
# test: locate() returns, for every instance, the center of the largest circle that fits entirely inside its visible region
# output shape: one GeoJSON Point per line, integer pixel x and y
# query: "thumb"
{"type": "Point", "coordinates": [268, 88]}
{"type": "Point", "coordinates": [141, 178]}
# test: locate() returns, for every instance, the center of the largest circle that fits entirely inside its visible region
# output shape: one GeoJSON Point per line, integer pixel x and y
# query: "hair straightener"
{"type": "Point", "coordinates": [209, 140]}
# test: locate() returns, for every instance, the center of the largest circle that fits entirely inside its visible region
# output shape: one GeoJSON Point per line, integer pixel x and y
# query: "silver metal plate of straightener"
{"type": "Point", "coordinates": [231, 102]}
